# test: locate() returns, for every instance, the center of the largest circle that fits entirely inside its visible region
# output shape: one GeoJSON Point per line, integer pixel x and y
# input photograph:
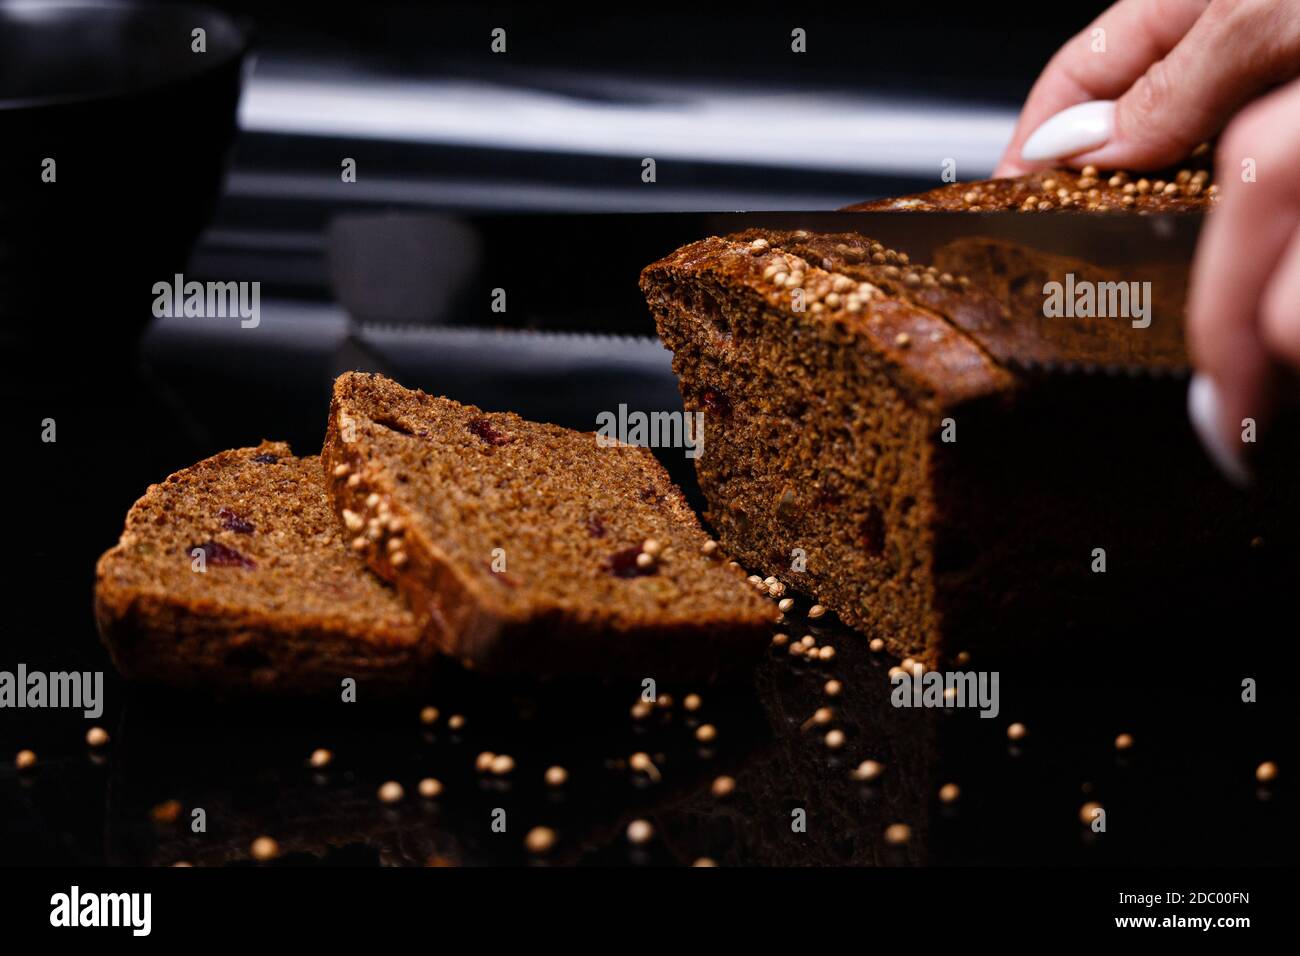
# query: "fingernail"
{"type": "Point", "coordinates": [1073, 130]}
{"type": "Point", "coordinates": [1205, 409]}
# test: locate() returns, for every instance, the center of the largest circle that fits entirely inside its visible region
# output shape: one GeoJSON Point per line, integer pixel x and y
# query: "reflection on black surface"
{"type": "Point", "coordinates": [1169, 675]}
{"type": "Point", "coordinates": [1185, 793]}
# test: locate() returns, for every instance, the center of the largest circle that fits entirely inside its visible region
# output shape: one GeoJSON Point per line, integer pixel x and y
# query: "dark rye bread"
{"type": "Point", "coordinates": [283, 605]}
{"type": "Point", "coordinates": [1016, 276]}
{"type": "Point", "coordinates": [1186, 189]}
{"type": "Point", "coordinates": [993, 290]}
{"type": "Point", "coordinates": [429, 490]}
{"type": "Point", "coordinates": [940, 497]}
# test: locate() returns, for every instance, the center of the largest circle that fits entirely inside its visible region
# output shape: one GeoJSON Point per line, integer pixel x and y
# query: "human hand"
{"type": "Point", "coordinates": [1140, 88]}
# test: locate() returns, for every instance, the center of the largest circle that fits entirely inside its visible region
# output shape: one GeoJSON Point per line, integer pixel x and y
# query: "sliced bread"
{"type": "Point", "coordinates": [875, 443]}
{"type": "Point", "coordinates": [232, 574]}
{"type": "Point", "coordinates": [530, 547]}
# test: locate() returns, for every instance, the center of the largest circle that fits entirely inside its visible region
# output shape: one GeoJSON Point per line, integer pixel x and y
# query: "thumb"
{"type": "Point", "coordinates": [1235, 51]}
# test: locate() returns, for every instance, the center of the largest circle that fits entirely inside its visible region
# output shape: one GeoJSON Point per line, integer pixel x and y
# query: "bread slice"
{"type": "Point", "coordinates": [281, 605]}
{"type": "Point", "coordinates": [520, 542]}
{"type": "Point", "coordinates": [870, 447]}
{"type": "Point", "coordinates": [1187, 189]}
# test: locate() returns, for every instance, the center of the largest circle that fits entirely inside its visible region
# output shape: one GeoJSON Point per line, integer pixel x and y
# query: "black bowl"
{"type": "Point", "coordinates": [139, 125]}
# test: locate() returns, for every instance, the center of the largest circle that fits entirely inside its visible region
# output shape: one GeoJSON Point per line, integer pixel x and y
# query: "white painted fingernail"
{"type": "Point", "coordinates": [1205, 409]}
{"type": "Point", "coordinates": [1073, 130]}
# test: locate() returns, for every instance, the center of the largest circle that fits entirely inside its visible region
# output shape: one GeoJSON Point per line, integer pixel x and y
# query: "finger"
{"type": "Point", "coordinates": [1279, 314]}
{"type": "Point", "coordinates": [1244, 243]}
{"type": "Point", "coordinates": [1100, 63]}
{"type": "Point", "coordinates": [1237, 50]}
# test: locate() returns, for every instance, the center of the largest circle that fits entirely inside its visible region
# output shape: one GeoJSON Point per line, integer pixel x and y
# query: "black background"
{"type": "Point", "coordinates": [1185, 796]}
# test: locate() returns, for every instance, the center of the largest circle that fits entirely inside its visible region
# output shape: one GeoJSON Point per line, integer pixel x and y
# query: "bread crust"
{"type": "Point", "coordinates": [1188, 189]}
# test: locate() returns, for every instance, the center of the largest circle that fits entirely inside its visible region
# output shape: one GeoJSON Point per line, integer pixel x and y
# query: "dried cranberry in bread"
{"type": "Point", "coordinates": [280, 605]}
{"type": "Point", "coordinates": [869, 445]}
{"type": "Point", "coordinates": [530, 547]}
{"type": "Point", "coordinates": [1188, 189]}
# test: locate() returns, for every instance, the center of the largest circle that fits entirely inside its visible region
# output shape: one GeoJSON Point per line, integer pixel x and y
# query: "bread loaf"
{"type": "Point", "coordinates": [873, 443]}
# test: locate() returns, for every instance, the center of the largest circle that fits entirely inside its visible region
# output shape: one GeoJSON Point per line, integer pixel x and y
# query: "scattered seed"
{"type": "Point", "coordinates": [1087, 811]}
{"type": "Point", "coordinates": [724, 787]}
{"type": "Point", "coordinates": [483, 762]}
{"type": "Point", "coordinates": [780, 640]}
{"type": "Point", "coordinates": [826, 653]}
{"type": "Point", "coordinates": [706, 733]}
{"type": "Point", "coordinates": [391, 792]}
{"type": "Point", "coordinates": [876, 645]}
{"type": "Point", "coordinates": [642, 709]}
{"type": "Point", "coordinates": [264, 848]}
{"type": "Point", "coordinates": [833, 688]}
{"type": "Point", "coordinates": [320, 757]}
{"type": "Point", "coordinates": [785, 604]}
{"type": "Point", "coordinates": [898, 834]}
{"type": "Point", "coordinates": [704, 861]}
{"type": "Point", "coordinates": [430, 788]}
{"type": "Point", "coordinates": [641, 763]}
{"type": "Point", "coordinates": [502, 764]}
{"type": "Point", "coordinates": [820, 718]}
{"type": "Point", "coordinates": [692, 702]}
{"type": "Point", "coordinates": [169, 811]}
{"type": "Point", "coordinates": [709, 548]}
{"type": "Point", "coordinates": [456, 722]}
{"type": "Point", "coordinates": [96, 737]}
{"type": "Point", "coordinates": [815, 612]}
{"type": "Point", "coordinates": [1016, 731]}
{"type": "Point", "coordinates": [640, 832]}
{"type": "Point", "coordinates": [1124, 742]}
{"type": "Point", "coordinates": [1266, 772]}
{"type": "Point", "coordinates": [949, 793]}
{"type": "Point", "coordinates": [868, 770]}
{"type": "Point", "coordinates": [540, 840]}
{"type": "Point", "coordinates": [429, 715]}
{"type": "Point", "coordinates": [556, 776]}
{"type": "Point", "coordinates": [835, 739]}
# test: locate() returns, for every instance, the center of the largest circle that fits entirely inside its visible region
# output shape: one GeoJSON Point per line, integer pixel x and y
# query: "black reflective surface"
{"type": "Point", "coordinates": [1184, 794]}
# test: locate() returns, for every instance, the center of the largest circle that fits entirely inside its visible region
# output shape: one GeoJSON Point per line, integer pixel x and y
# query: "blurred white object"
{"type": "Point", "coordinates": [802, 130]}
